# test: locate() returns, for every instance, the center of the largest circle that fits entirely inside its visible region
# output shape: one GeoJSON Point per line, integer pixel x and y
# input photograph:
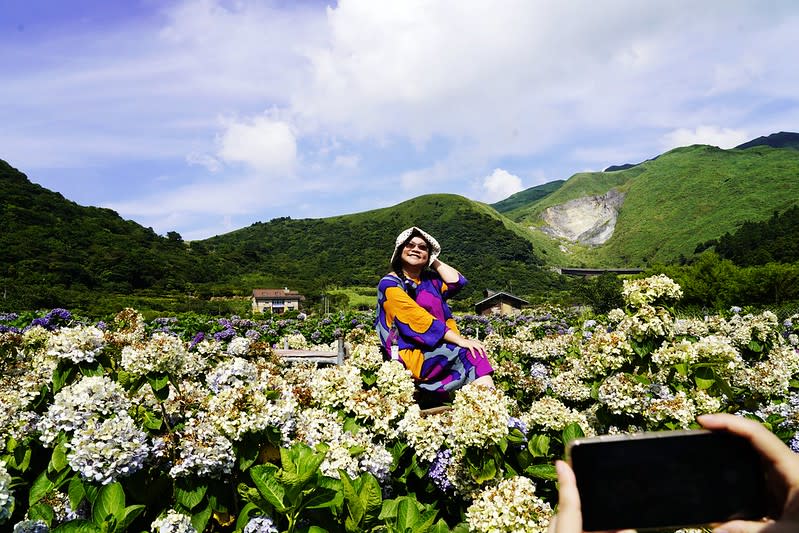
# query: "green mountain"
{"type": "Point", "coordinates": [354, 250]}
{"type": "Point", "coordinates": [527, 196]}
{"type": "Point", "coordinates": [670, 204]}
{"type": "Point", "coordinates": [783, 139]}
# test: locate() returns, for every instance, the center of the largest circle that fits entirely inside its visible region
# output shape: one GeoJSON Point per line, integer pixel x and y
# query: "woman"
{"type": "Point", "coordinates": [415, 323]}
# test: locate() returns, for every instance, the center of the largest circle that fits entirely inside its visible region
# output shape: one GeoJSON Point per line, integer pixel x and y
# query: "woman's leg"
{"type": "Point", "coordinates": [485, 381]}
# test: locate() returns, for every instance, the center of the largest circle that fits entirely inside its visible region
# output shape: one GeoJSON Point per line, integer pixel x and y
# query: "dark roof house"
{"type": "Point", "coordinates": [499, 302]}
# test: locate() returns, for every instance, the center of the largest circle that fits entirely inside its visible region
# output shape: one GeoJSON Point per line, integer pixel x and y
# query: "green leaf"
{"type": "Point", "coordinates": [571, 432]}
{"type": "Point", "coordinates": [407, 514]}
{"type": "Point", "coordinates": [538, 445]}
{"type": "Point", "coordinates": [129, 515]}
{"type": "Point", "coordinates": [76, 526]}
{"type": "Point", "coordinates": [41, 486]}
{"type": "Point", "coordinates": [110, 502]}
{"type": "Point", "coordinates": [355, 507]}
{"type": "Point", "coordinates": [755, 346]}
{"type": "Point", "coordinates": [439, 527]}
{"type": "Point", "coordinates": [189, 496]}
{"type": "Point", "coordinates": [371, 497]}
{"type": "Point", "coordinates": [268, 487]}
{"type": "Point", "coordinates": [158, 381]}
{"type": "Point", "coordinates": [704, 378]}
{"type": "Point", "coordinates": [76, 492]}
{"type": "Point", "coordinates": [41, 511]}
{"type": "Point", "coordinates": [21, 458]}
{"type": "Point", "coordinates": [389, 509]}
{"type": "Point", "coordinates": [58, 461]}
{"type": "Point", "coordinates": [542, 471]}
{"type": "Point", "coordinates": [63, 373]}
{"type": "Point", "coordinates": [151, 420]}
{"type": "Point", "coordinates": [200, 519]}
{"type": "Point", "coordinates": [244, 515]}
{"type": "Point", "coordinates": [322, 498]}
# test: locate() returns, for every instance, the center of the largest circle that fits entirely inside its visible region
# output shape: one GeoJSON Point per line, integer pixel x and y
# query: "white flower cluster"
{"type": "Point", "coordinates": [547, 348]}
{"type": "Point", "coordinates": [295, 341]}
{"type": "Point", "coordinates": [366, 356]}
{"type": "Point", "coordinates": [237, 411]}
{"type": "Point", "coordinates": [231, 373]}
{"type": "Point", "coordinates": [129, 327]}
{"type": "Point", "coordinates": [202, 451]}
{"type": "Point", "coordinates": [238, 346]}
{"type": "Point", "coordinates": [354, 453]}
{"type": "Point", "coordinates": [425, 435]}
{"type": "Point", "coordinates": [335, 386]}
{"type": "Point", "coordinates": [260, 524]}
{"type": "Point", "coordinates": [173, 522]}
{"type": "Point", "coordinates": [743, 329]}
{"type": "Point", "coordinates": [382, 405]}
{"type": "Point", "coordinates": [74, 405]}
{"type": "Point", "coordinates": [78, 344]}
{"type": "Point", "coordinates": [602, 352]}
{"type": "Point", "coordinates": [570, 386]}
{"type": "Point", "coordinates": [6, 494]}
{"type": "Point", "coordinates": [103, 450]}
{"type": "Point", "coordinates": [648, 321]}
{"type": "Point", "coordinates": [622, 394]}
{"type": "Point", "coordinates": [772, 376]}
{"type": "Point", "coordinates": [162, 353]}
{"type": "Point", "coordinates": [479, 416]}
{"type": "Point", "coordinates": [31, 526]}
{"type": "Point", "coordinates": [651, 290]}
{"type": "Point", "coordinates": [552, 414]}
{"type": "Point", "coordinates": [510, 507]}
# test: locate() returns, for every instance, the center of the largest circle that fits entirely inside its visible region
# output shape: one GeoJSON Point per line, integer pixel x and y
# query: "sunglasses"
{"type": "Point", "coordinates": [420, 245]}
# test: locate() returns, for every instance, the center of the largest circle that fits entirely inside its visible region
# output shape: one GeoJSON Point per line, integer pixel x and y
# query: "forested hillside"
{"type": "Point", "coordinates": [758, 243]}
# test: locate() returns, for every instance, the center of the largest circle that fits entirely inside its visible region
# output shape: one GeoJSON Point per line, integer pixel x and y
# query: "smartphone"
{"type": "Point", "coordinates": [667, 479]}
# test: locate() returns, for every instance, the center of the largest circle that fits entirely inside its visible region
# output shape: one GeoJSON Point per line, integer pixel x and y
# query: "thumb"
{"type": "Point", "coordinates": [744, 526]}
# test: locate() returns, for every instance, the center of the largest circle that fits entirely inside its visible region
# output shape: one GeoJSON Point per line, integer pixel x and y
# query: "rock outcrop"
{"type": "Point", "coordinates": [589, 220]}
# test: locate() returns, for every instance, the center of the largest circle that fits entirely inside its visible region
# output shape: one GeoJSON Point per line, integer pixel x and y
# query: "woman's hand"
{"type": "Point", "coordinates": [475, 347]}
{"type": "Point", "coordinates": [782, 467]}
{"type": "Point", "coordinates": [570, 517]}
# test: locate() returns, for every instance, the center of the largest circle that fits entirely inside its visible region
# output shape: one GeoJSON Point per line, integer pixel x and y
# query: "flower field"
{"type": "Point", "coordinates": [193, 424]}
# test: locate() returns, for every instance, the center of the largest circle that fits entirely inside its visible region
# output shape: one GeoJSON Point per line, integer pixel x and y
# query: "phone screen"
{"type": "Point", "coordinates": [667, 479]}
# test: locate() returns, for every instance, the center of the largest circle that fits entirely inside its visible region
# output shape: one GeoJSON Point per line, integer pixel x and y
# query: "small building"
{"type": "Point", "coordinates": [498, 302]}
{"type": "Point", "coordinates": [275, 301]}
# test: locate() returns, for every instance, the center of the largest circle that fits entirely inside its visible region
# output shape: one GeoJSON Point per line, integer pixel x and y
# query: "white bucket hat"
{"type": "Point", "coordinates": [432, 254]}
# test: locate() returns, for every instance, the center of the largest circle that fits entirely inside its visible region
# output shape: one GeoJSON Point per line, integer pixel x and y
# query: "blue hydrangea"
{"type": "Point", "coordinates": [260, 524]}
{"type": "Point", "coordinates": [438, 470]}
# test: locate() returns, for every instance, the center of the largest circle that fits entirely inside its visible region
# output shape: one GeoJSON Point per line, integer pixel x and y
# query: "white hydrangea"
{"type": "Point", "coordinates": [479, 416]}
{"type": "Point", "coordinates": [426, 435]}
{"type": "Point", "coordinates": [335, 386]}
{"type": "Point", "coordinates": [173, 522]}
{"type": "Point", "coordinates": [260, 524]}
{"type": "Point", "coordinates": [552, 414]}
{"type": "Point", "coordinates": [570, 386]}
{"type": "Point", "coordinates": [510, 507]}
{"type": "Point", "coordinates": [162, 353]}
{"type": "Point", "coordinates": [104, 450]}
{"type": "Point", "coordinates": [31, 526]}
{"type": "Point", "coordinates": [354, 453]}
{"type": "Point", "coordinates": [295, 341]}
{"type": "Point", "coordinates": [202, 450]}
{"type": "Point", "coordinates": [75, 404]}
{"type": "Point", "coordinates": [623, 395]}
{"type": "Point", "coordinates": [6, 494]}
{"type": "Point", "coordinates": [677, 406]}
{"type": "Point", "coordinates": [238, 411]}
{"type": "Point", "coordinates": [238, 346]}
{"type": "Point", "coordinates": [78, 344]}
{"type": "Point", "coordinates": [231, 373]}
{"type": "Point", "coordinates": [647, 291]}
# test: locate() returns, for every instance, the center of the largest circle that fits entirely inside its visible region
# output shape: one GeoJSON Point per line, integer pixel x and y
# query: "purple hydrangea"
{"type": "Point", "coordinates": [252, 334]}
{"type": "Point", "coordinates": [517, 423]}
{"type": "Point", "coordinates": [198, 338]}
{"type": "Point", "coordinates": [438, 470]}
{"type": "Point", "coordinates": [225, 334]}
{"type": "Point", "coordinates": [8, 317]}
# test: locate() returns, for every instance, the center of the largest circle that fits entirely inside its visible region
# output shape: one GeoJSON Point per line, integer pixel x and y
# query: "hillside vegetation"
{"type": "Point", "coordinates": [678, 200]}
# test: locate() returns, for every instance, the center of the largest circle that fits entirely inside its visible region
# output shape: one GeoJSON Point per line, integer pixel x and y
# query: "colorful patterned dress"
{"type": "Point", "coordinates": [415, 316]}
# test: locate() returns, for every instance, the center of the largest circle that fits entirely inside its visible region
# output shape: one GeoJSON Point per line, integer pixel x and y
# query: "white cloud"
{"type": "Point", "coordinates": [347, 161]}
{"type": "Point", "coordinates": [499, 185]}
{"type": "Point", "coordinates": [262, 143]}
{"type": "Point", "coordinates": [712, 135]}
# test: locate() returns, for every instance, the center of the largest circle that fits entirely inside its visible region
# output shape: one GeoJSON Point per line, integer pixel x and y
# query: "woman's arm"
{"type": "Point", "coordinates": [448, 274]}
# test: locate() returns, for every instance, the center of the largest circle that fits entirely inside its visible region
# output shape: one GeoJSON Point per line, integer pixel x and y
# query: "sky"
{"type": "Point", "coordinates": [205, 116]}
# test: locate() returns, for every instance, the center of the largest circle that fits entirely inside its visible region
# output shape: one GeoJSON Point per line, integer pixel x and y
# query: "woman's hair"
{"type": "Point", "coordinates": [396, 264]}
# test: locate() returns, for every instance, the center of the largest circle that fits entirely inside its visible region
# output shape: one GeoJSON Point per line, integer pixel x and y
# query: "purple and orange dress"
{"type": "Point", "coordinates": [414, 315]}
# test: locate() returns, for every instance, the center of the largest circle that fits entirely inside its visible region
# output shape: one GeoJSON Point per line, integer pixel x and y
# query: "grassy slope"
{"type": "Point", "coordinates": [680, 199]}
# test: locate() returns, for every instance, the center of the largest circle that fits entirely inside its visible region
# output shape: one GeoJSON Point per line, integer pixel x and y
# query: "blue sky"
{"type": "Point", "coordinates": [205, 116]}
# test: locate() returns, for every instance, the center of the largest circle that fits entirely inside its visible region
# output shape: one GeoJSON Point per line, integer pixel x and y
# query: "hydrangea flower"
{"type": "Point", "coordinates": [260, 524]}
{"type": "Point", "coordinates": [78, 344]}
{"type": "Point", "coordinates": [173, 522]}
{"type": "Point", "coordinates": [6, 494]}
{"type": "Point", "coordinates": [104, 450]}
{"type": "Point", "coordinates": [510, 507]}
{"type": "Point", "coordinates": [31, 526]}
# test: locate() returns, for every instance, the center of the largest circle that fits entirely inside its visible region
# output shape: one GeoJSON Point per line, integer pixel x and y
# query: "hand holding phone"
{"type": "Point", "coordinates": [780, 462]}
